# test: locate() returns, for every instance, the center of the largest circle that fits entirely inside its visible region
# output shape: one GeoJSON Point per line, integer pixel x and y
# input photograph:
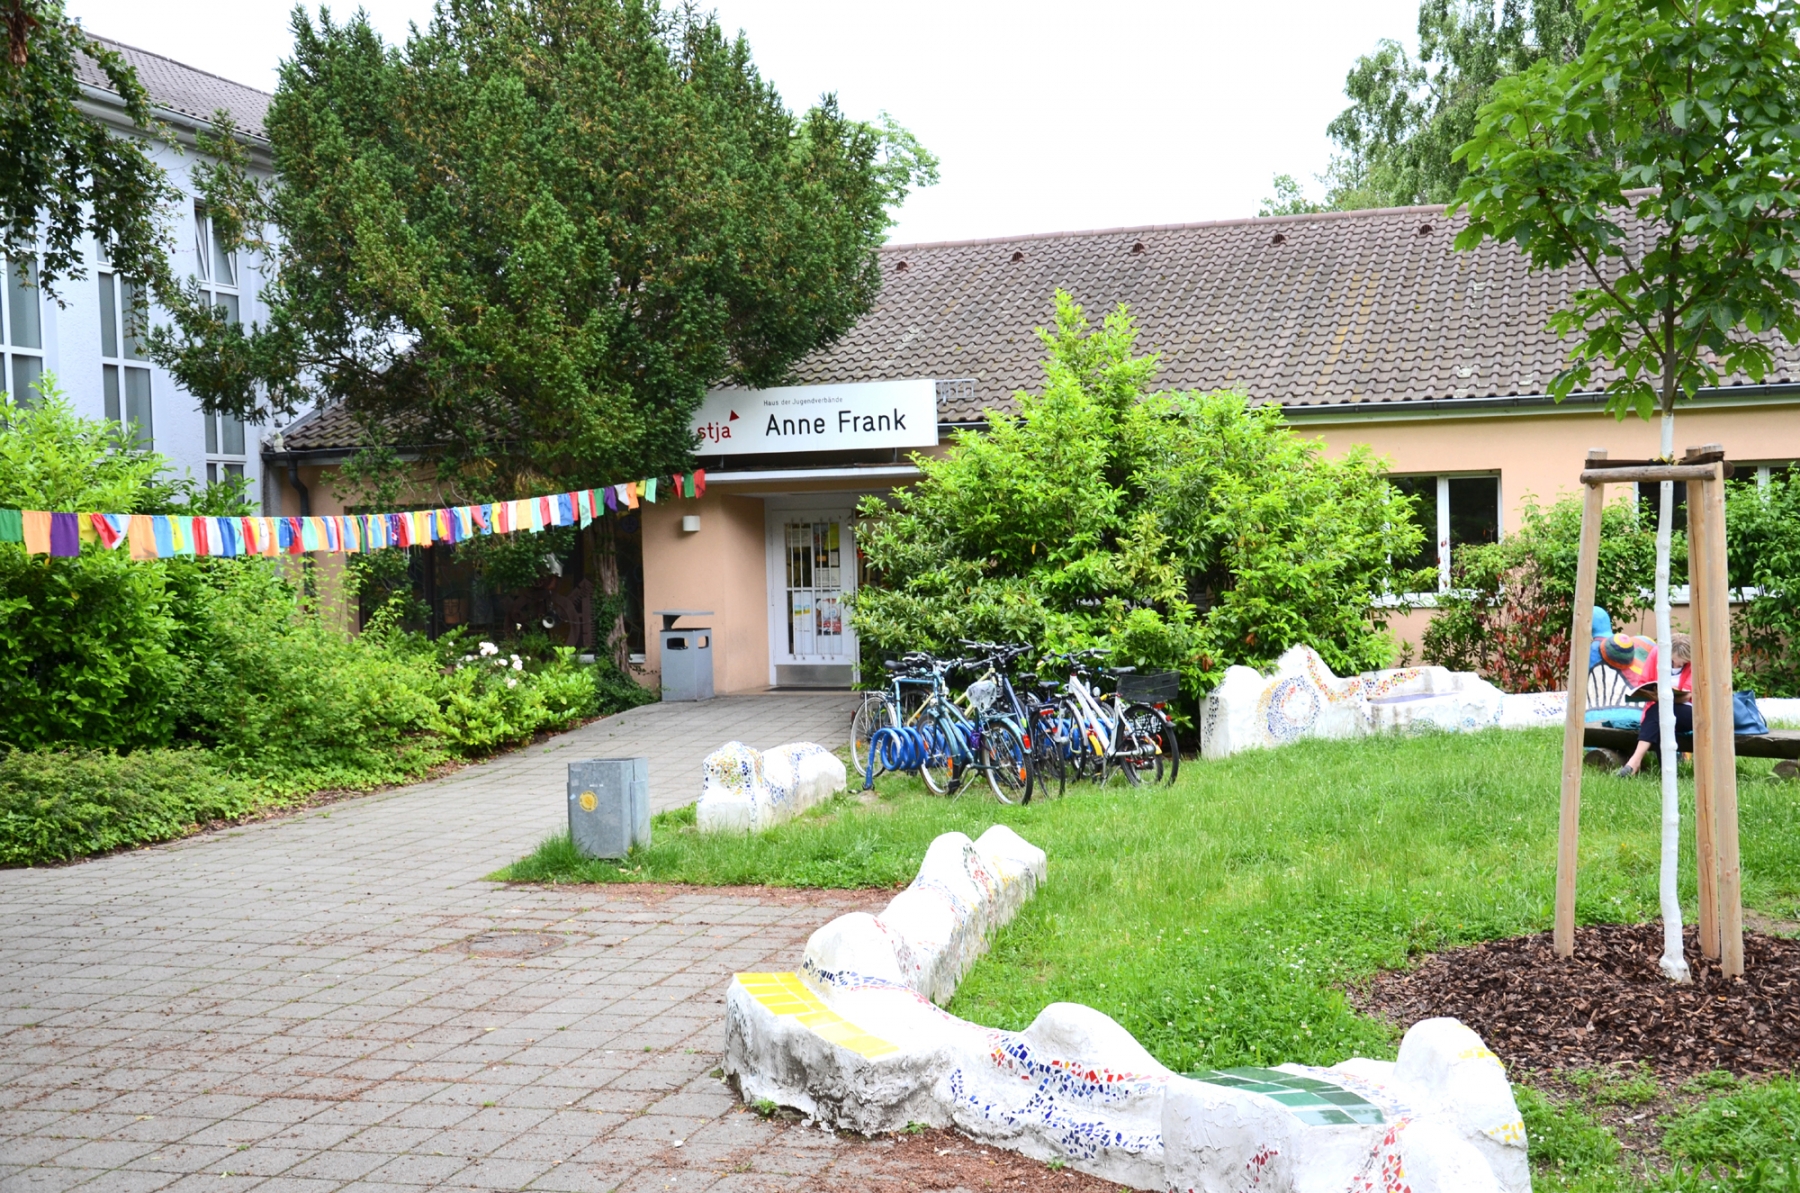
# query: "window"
{"type": "Point", "coordinates": [1453, 511]}
{"type": "Point", "coordinates": [1650, 506]}
{"type": "Point", "coordinates": [125, 373]}
{"type": "Point", "coordinates": [1782, 471]}
{"type": "Point", "coordinates": [21, 330]}
{"type": "Point", "coordinates": [218, 273]}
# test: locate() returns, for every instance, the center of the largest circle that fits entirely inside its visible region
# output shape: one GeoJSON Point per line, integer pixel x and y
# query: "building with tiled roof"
{"type": "Point", "coordinates": [1366, 328]}
{"type": "Point", "coordinates": [1315, 311]}
{"type": "Point", "coordinates": [186, 93]}
{"type": "Point", "coordinates": [83, 338]}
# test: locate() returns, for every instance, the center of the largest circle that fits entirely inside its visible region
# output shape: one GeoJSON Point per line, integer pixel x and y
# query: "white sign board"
{"type": "Point", "coordinates": [817, 418]}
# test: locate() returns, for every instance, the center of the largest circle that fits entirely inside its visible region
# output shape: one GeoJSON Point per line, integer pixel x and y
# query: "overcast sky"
{"type": "Point", "coordinates": [1048, 116]}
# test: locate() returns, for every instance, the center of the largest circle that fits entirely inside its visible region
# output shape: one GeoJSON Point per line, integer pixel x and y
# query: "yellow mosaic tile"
{"type": "Point", "coordinates": [786, 995]}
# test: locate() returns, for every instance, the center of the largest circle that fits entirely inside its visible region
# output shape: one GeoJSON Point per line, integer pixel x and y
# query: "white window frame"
{"type": "Point", "coordinates": [1426, 600]}
{"type": "Point", "coordinates": [11, 353]}
{"type": "Point", "coordinates": [227, 293]}
{"type": "Point", "coordinates": [127, 323]}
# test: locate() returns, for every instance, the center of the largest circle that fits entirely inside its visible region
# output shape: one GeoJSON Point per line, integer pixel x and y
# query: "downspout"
{"type": "Point", "coordinates": [307, 584]}
{"type": "Point", "coordinates": [294, 480]}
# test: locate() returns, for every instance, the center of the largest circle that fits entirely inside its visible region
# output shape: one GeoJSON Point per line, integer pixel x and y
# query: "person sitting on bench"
{"type": "Point", "coordinates": [1634, 658]}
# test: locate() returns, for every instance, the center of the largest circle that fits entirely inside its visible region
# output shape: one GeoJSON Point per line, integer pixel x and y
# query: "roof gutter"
{"type": "Point", "coordinates": [331, 455]}
{"type": "Point", "coordinates": [1578, 403]}
{"type": "Point", "coordinates": [105, 107]}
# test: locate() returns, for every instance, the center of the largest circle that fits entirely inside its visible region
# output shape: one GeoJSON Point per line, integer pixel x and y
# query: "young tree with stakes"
{"type": "Point", "coordinates": [1662, 166]}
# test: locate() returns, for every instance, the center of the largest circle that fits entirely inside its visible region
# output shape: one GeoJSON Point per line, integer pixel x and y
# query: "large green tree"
{"type": "Point", "coordinates": [534, 235]}
{"type": "Point", "coordinates": [1662, 167]}
{"type": "Point", "coordinates": [1397, 141]}
{"type": "Point", "coordinates": [64, 176]}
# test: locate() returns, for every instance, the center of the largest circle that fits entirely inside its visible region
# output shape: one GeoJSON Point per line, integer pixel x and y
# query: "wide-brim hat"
{"type": "Point", "coordinates": [1634, 658]}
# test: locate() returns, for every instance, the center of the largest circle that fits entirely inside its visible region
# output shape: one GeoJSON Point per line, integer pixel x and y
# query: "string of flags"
{"type": "Point", "coordinates": [160, 536]}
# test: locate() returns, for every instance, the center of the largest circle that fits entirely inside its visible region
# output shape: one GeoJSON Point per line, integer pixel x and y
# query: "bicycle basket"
{"type": "Point", "coordinates": [1159, 688]}
{"type": "Point", "coordinates": [982, 694]}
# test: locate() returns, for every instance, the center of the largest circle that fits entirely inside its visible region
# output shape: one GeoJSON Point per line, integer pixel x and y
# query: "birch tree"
{"type": "Point", "coordinates": [1659, 167]}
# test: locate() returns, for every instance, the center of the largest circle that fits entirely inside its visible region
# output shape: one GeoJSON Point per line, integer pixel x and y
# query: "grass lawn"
{"type": "Point", "coordinates": [1220, 919]}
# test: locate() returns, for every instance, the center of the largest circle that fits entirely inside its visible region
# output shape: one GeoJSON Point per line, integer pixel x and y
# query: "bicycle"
{"type": "Point", "coordinates": [1002, 726]}
{"type": "Point", "coordinates": [920, 730]}
{"type": "Point", "coordinates": [888, 708]}
{"type": "Point", "coordinates": [1048, 739]}
{"type": "Point", "coordinates": [1127, 732]}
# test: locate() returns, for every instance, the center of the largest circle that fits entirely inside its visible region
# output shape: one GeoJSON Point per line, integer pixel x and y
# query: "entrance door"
{"type": "Point", "coordinates": [812, 565]}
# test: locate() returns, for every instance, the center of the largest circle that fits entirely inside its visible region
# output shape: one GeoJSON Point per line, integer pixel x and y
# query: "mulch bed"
{"type": "Point", "coordinates": [1609, 1004]}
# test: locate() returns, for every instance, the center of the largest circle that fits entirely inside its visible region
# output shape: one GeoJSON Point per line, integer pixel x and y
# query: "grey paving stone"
{"type": "Point", "coordinates": [298, 988]}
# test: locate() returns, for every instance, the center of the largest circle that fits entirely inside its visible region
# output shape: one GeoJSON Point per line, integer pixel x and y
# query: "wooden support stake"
{"type": "Point", "coordinates": [1581, 635]}
{"type": "Point", "coordinates": [1707, 661]}
{"type": "Point", "coordinates": [1646, 473]}
{"type": "Point", "coordinates": [1723, 755]}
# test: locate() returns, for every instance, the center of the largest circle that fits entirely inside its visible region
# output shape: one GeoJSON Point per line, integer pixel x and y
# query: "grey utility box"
{"type": "Point", "coordinates": [609, 805]}
{"type": "Point", "coordinates": [687, 672]}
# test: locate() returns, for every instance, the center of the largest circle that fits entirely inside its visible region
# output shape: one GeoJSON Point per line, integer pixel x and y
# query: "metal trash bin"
{"type": "Point", "coordinates": [687, 668]}
{"type": "Point", "coordinates": [609, 805]}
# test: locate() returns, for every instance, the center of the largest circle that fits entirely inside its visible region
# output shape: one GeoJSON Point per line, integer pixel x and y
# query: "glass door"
{"type": "Point", "coordinates": [814, 566]}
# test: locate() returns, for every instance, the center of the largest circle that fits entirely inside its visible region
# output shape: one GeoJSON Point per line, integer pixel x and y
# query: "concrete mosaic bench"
{"type": "Point", "coordinates": [855, 1039]}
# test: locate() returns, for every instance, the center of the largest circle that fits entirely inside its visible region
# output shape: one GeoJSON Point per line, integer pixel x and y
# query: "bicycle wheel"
{"type": "Point", "coordinates": [1085, 762]}
{"type": "Point", "coordinates": [1006, 762]}
{"type": "Point", "coordinates": [942, 772]}
{"type": "Point", "coordinates": [1139, 751]}
{"type": "Point", "coordinates": [876, 712]}
{"type": "Point", "coordinates": [1049, 769]}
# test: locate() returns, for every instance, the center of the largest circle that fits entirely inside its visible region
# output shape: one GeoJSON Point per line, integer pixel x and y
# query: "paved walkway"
{"type": "Point", "coordinates": [340, 1000]}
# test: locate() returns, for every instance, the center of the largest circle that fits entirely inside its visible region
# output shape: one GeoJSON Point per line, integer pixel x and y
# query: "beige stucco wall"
{"type": "Point", "coordinates": [1540, 455]}
{"type": "Point", "coordinates": [722, 567]}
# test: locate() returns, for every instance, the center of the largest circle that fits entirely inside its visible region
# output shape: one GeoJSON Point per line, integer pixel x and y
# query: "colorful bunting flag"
{"type": "Point", "coordinates": [156, 536]}
{"type": "Point", "coordinates": [110, 528]}
{"type": "Point", "coordinates": [65, 535]}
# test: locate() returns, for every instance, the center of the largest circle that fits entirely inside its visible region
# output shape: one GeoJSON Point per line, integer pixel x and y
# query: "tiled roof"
{"type": "Point", "coordinates": [182, 88]}
{"type": "Point", "coordinates": [331, 428]}
{"type": "Point", "coordinates": [1366, 306]}
{"type": "Point", "coordinates": [1363, 307]}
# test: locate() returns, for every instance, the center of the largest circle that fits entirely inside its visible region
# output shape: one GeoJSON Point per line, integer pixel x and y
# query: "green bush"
{"type": "Point", "coordinates": [86, 651]}
{"type": "Point", "coordinates": [1762, 533]}
{"type": "Point", "coordinates": [1185, 531]}
{"type": "Point", "coordinates": [56, 805]}
{"type": "Point", "coordinates": [106, 653]}
{"type": "Point", "coordinates": [492, 698]}
{"type": "Point", "coordinates": [1509, 611]}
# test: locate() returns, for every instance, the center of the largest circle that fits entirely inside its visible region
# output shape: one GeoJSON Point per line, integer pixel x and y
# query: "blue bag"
{"type": "Point", "coordinates": [1745, 716]}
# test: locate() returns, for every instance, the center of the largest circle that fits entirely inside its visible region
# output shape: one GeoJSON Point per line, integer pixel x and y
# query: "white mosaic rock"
{"type": "Point", "coordinates": [1779, 710]}
{"type": "Point", "coordinates": [743, 790]}
{"type": "Point", "coordinates": [1250, 710]}
{"type": "Point", "coordinates": [855, 1041]}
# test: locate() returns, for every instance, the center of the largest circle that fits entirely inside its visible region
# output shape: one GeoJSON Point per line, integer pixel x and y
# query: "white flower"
{"type": "Point", "coordinates": [518, 663]}
{"type": "Point", "coordinates": [488, 648]}
{"type": "Point", "coordinates": [512, 683]}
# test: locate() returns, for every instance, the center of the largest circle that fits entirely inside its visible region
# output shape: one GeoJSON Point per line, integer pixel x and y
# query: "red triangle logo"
{"type": "Point", "coordinates": [733, 417]}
